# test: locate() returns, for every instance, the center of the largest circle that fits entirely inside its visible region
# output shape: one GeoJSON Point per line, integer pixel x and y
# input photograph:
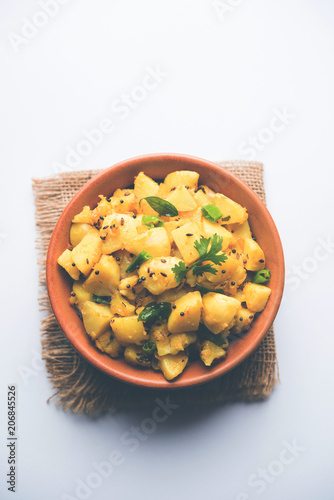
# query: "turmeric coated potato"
{"type": "Point", "coordinates": [158, 275]}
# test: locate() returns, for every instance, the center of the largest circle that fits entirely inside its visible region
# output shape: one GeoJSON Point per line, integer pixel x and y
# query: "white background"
{"type": "Point", "coordinates": [225, 77]}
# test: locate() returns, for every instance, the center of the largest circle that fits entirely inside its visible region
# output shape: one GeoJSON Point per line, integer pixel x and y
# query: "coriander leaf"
{"type": "Point", "coordinates": [205, 290]}
{"type": "Point", "coordinates": [142, 257]}
{"type": "Point", "coordinates": [152, 221]}
{"type": "Point", "coordinates": [218, 259]}
{"type": "Point", "coordinates": [203, 268]}
{"type": "Point", "coordinates": [211, 213]}
{"type": "Point", "coordinates": [216, 246]}
{"type": "Point", "coordinates": [149, 347]}
{"type": "Point", "coordinates": [198, 268]}
{"type": "Point", "coordinates": [155, 310]}
{"type": "Point", "coordinates": [262, 276]}
{"type": "Point", "coordinates": [202, 246]}
{"type": "Point", "coordinates": [163, 207]}
{"type": "Point", "coordinates": [211, 254]}
{"type": "Point", "coordinates": [101, 300]}
{"type": "Point", "coordinates": [180, 270]}
{"type": "Point", "coordinates": [225, 219]}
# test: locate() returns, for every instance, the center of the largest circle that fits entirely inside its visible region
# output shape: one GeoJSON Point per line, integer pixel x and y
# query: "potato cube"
{"type": "Point", "coordinates": [219, 311]}
{"type": "Point", "coordinates": [254, 255]}
{"type": "Point", "coordinates": [154, 241]}
{"type": "Point", "coordinates": [182, 178]}
{"type": "Point", "coordinates": [201, 198]}
{"type": "Point", "coordinates": [173, 294]}
{"type": "Point", "coordinates": [145, 186]}
{"type": "Point", "coordinates": [180, 341]}
{"type": "Point", "coordinates": [225, 271]}
{"type": "Point", "coordinates": [130, 288]}
{"type": "Point", "coordinates": [124, 260]}
{"type": "Point", "coordinates": [109, 344]}
{"type": "Point", "coordinates": [170, 343]}
{"type": "Point", "coordinates": [158, 274]}
{"type": "Point", "coordinates": [140, 226]}
{"type": "Point", "coordinates": [104, 278]}
{"type": "Point", "coordinates": [84, 217]}
{"type": "Point", "coordinates": [119, 305]}
{"type": "Point", "coordinates": [123, 200]}
{"type": "Point", "coordinates": [79, 295]}
{"type": "Point", "coordinates": [211, 228]}
{"type": "Point", "coordinates": [240, 296]}
{"type": "Point", "coordinates": [172, 365]}
{"type": "Point", "coordinates": [118, 232]}
{"type": "Point", "coordinates": [243, 320]}
{"type": "Point", "coordinates": [160, 336]}
{"type": "Point", "coordinates": [230, 208]}
{"type": "Point", "coordinates": [104, 208]}
{"type": "Point", "coordinates": [177, 222]}
{"type": "Point", "coordinates": [78, 231]}
{"type": "Point", "coordinates": [135, 356]}
{"type": "Point", "coordinates": [208, 192]}
{"type": "Point", "coordinates": [66, 261]}
{"type": "Point", "coordinates": [87, 253]}
{"type": "Point", "coordinates": [162, 191]}
{"type": "Point", "coordinates": [185, 317]}
{"type": "Point", "coordinates": [191, 215]}
{"type": "Point", "coordinates": [182, 199]}
{"type": "Point", "coordinates": [129, 330]}
{"type": "Point", "coordinates": [240, 230]}
{"type": "Point", "coordinates": [185, 238]}
{"type": "Point", "coordinates": [256, 296]}
{"type": "Point", "coordinates": [96, 318]}
{"type": "Point", "coordinates": [210, 352]}
{"type": "Point", "coordinates": [236, 279]}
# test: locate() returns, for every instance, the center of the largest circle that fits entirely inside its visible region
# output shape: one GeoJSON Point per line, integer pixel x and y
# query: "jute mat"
{"type": "Point", "coordinates": [80, 387]}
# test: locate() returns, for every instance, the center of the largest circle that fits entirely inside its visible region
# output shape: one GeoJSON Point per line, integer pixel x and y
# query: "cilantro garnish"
{"type": "Point", "coordinates": [205, 253]}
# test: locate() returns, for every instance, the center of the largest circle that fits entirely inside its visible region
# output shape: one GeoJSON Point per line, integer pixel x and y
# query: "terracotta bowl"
{"type": "Point", "coordinates": [158, 166]}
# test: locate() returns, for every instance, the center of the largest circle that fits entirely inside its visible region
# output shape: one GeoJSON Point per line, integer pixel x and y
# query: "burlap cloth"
{"type": "Point", "coordinates": [82, 388]}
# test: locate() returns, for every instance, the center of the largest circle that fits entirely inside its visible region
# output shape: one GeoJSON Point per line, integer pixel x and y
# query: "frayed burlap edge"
{"type": "Point", "coordinates": [79, 386]}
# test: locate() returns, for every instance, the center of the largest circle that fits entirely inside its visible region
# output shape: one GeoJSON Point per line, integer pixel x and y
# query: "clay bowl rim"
{"type": "Point", "coordinates": [68, 319]}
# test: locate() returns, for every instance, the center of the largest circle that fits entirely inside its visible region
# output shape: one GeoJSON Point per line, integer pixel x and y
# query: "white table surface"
{"type": "Point", "coordinates": [224, 76]}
